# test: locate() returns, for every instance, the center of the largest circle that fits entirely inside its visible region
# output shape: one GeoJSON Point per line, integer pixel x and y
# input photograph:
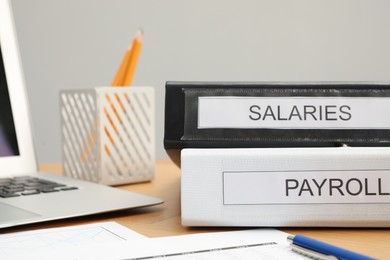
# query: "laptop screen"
{"type": "Point", "coordinates": [8, 141]}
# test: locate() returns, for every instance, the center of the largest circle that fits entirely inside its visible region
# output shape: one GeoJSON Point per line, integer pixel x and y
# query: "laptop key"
{"type": "Point", "coordinates": [11, 186]}
{"type": "Point", "coordinates": [69, 188]}
{"type": "Point", "coordinates": [12, 190]}
{"type": "Point", "coordinates": [58, 185]}
{"type": "Point", "coordinates": [8, 195]}
{"type": "Point", "coordinates": [48, 190]}
{"type": "Point", "coordinates": [32, 192]}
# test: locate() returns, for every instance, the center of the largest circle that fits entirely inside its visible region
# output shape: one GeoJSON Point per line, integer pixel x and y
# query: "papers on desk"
{"type": "Point", "coordinates": [248, 244]}
{"type": "Point", "coordinates": [55, 243]}
{"type": "Point", "coordinates": [112, 241]}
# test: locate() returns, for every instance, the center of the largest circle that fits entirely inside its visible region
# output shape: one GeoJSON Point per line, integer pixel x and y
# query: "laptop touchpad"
{"type": "Point", "coordinates": [11, 213]}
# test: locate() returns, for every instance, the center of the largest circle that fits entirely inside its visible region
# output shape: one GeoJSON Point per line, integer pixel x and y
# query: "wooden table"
{"type": "Point", "coordinates": [164, 219]}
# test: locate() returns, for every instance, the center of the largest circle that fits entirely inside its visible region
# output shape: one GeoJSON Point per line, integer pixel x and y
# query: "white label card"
{"type": "Point", "coordinates": [294, 112]}
{"type": "Point", "coordinates": [306, 187]}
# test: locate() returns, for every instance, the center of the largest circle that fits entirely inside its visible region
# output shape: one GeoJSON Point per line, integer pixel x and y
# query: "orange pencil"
{"type": "Point", "coordinates": [135, 51]}
{"type": "Point", "coordinates": [122, 70]}
{"type": "Point", "coordinates": [126, 70]}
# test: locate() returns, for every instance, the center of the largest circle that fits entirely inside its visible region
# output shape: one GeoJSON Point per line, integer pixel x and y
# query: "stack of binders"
{"type": "Point", "coordinates": [281, 154]}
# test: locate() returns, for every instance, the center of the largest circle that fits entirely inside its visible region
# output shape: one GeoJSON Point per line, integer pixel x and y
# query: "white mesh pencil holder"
{"type": "Point", "coordinates": [108, 134]}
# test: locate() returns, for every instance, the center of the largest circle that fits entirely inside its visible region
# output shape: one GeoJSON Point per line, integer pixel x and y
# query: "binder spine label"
{"type": "Point", "coordinates": [239, 112]}
{"type": "Point", "coordinates": [286, 115]}
{"type": "Point", "coordinates": [306, 187]}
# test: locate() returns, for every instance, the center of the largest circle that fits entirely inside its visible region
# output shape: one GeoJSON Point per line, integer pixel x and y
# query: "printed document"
{"type": "Point", "coordinates": [110, 240]}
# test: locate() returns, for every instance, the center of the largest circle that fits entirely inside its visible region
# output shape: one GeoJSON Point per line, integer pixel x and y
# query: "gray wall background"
{"type": "Point", "coordinates": [80, 43]}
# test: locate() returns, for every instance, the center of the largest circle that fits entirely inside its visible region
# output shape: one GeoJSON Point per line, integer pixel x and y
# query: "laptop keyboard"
{"type": "Point", "coordinates": [28, 185]}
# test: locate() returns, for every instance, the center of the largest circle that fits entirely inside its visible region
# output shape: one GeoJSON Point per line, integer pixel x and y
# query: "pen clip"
{"type": "Point", "coordinates": [312, 254]}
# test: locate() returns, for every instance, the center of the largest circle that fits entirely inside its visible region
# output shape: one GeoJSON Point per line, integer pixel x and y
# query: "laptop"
{"type": "Point", "coordinates": [26, 195]}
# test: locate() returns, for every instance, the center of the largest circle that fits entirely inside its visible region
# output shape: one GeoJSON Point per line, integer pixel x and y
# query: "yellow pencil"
{"type": "Point", "coordinates": [126, 70]}
{"type": "Point", "coordinates": [122, 70]}
{"type": "Point", "coordinates": [134, 54]}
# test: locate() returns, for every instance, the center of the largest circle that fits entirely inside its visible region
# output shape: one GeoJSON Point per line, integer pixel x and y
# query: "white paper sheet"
{"type": "Point", "coordinates": [50, 243]}
{"type": "Point", "coordinates": [249, 244]}
{"type": "Point", "coordinates": [113, 241]}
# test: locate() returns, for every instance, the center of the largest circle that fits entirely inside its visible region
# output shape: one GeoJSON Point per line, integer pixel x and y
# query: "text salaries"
{"type": "Point", "coordinates": [301, 113]}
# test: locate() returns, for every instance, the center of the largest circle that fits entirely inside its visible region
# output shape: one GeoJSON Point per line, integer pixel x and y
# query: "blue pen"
{"type": "Point", "coordinates": [321, 250]}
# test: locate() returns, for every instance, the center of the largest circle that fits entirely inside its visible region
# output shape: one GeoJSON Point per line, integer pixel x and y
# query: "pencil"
{"type": "Point", "coordinates": [120, 75]}
{"type": "Point", "coordinates": [134, 54]}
